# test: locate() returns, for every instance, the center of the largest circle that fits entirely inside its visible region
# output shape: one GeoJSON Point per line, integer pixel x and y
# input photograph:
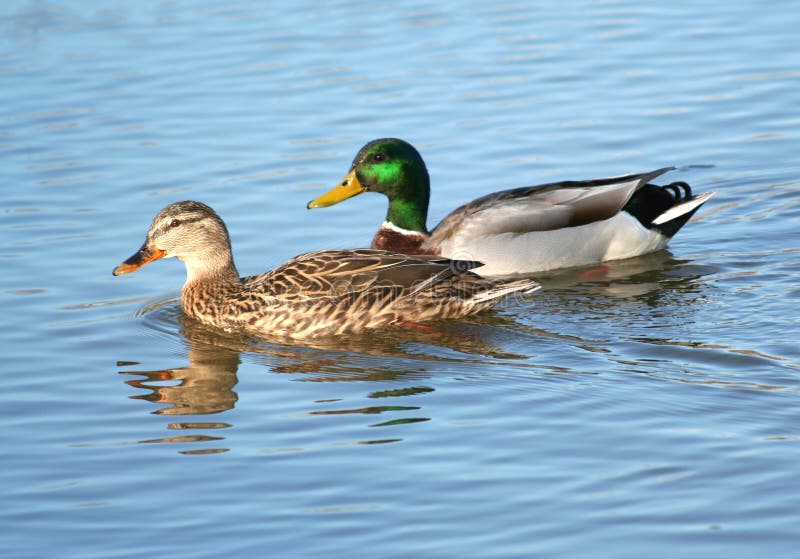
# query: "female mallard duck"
{"type": "Point", "coordinates": [529, 229]}
{"type": "Point", "coordinates": [318, 293]}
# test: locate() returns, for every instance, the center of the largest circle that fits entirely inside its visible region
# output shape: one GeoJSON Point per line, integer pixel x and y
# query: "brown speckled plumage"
{"type": "Point", "coordinates": [318, 293]}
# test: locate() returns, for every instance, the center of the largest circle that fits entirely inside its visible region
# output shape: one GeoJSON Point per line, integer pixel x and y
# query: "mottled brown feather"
{"type": "Point", "coordinates": [318, 293]}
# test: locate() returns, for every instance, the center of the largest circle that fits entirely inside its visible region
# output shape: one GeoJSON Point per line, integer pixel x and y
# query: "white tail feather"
{"type": "Point", "coordinates": [685, 207]}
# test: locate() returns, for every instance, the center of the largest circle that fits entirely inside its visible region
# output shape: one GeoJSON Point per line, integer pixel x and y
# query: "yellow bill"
{"type": "Point", "coordinates": [348, 188]}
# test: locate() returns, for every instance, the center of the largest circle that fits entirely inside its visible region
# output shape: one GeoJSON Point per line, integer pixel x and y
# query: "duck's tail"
{"type": "Point", "coordinates": [674, 218]}
{"type": "Point", "coordinates": [665, 208]}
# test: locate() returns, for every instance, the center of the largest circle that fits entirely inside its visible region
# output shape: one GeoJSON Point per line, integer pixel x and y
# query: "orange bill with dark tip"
{"type": "Point", "coordinates": [144, 255]}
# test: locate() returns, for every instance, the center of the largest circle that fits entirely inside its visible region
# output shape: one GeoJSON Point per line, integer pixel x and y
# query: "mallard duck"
{"type": "Point", "coordinates": [317, 293]}
{"type": "Point", "coordinates": [523, 230]}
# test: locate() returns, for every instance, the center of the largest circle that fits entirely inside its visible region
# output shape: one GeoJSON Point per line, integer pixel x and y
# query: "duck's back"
{"type": "Point", "coordinates": [339, 291]}
{"type": "Point", "coordinates": [564, 224]}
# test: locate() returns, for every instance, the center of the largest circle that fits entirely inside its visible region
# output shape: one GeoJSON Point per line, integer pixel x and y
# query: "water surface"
{"type": "Point", "coordinates": [646, 410]}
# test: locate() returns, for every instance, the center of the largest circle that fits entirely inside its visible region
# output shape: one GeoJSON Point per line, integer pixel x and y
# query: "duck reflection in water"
{"type": "Point", "coordinates": [404, 356]}
{"type": "Point", "coordinates": [653, 280]}
{"type": "Point", "coordinates": [206, 385]}
{"type": "Point", "coordinates": [203, 387]}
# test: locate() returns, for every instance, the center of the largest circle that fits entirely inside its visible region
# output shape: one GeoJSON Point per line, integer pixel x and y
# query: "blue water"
{"type": "Point", "coordinates": [650, 411]}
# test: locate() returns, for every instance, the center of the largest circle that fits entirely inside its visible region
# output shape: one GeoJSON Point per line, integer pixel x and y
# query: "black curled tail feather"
{"type": "Point", "coordinates": [680, 190]}
{"type": "Point", "coordinates": [652, 200]}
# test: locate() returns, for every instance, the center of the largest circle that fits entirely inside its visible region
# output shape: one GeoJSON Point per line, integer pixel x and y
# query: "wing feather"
{"type": "Point", "coordinates": [543, 208]}
{"type": "Point", "coordinates": [333, 273]}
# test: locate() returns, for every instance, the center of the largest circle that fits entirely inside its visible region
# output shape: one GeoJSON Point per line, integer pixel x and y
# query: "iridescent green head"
{"type": "Point", "coordinates": [394, 168]}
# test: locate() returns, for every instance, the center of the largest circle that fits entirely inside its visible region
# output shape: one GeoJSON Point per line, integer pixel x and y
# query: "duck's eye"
{"type": "Point", "coordinates": [174, 222]}
{"type": "Point", "coordinates": [378, 157]}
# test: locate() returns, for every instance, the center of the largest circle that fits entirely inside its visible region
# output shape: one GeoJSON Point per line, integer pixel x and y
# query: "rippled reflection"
{"type": "Point", "coordinates": [653, 279]}
{"type": "Point", "coordinates": [205, 386]}
{"type": "Point", "coordinates": [586, 321]}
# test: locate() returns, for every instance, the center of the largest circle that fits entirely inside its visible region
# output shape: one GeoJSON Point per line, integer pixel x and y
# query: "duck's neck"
{"type": "Point", "coordinates": [208, 288]}
{"type": "Point", "coordinates": [408, 214]}
{"type": "Point", "coordinates": [404, 229]}
{"type": "Point", "coordinates": [408, 199]}
{"type": "Point", "coordinates": [217, 268]}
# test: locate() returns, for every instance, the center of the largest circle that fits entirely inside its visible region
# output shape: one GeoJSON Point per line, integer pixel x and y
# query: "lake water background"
{"type": "Point", "coordinates": [648, 411]}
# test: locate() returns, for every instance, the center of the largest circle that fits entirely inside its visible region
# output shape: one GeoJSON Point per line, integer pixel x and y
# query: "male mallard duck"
{"type": "Point", "coordinates": [529, 229]}
{"type": "Point", "coordinates": [325, 292]}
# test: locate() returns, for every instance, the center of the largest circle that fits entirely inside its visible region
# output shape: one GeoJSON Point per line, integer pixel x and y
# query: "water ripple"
{"type": "Point", "coordinates": [649, 404]}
